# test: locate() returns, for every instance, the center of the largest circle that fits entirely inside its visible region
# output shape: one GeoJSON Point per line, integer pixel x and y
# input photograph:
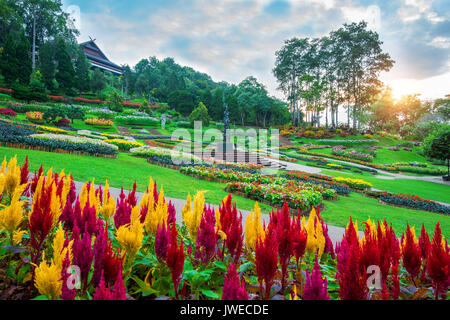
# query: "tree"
{"type": "Point", "coordinates": [15, 63]}
{"type": "Point", "coordinates": [52, 114]}
{"type": "Point", "coordinates": [65, 73]}
{"type": "Point", "coordinates": [98, 81]}
{"type": "Point", "coordinates": [410, 109]}
{"type": "Point", "coordinates": [200, 114]}
{"type": "Point", "coordinates": [47, 65]}
{"type": "Point", "coordinates": [74, 112]}
{"type": "Point", "coordinates": [44, 20]}
{"type": "Point", "coordinates": [436, 146]}
{"type": "Point", "coordinates": [116, 102]}
{"type": "Point", "coordinates": [82, 67]}
{"type": "Point", "coordinates": [182, 101]}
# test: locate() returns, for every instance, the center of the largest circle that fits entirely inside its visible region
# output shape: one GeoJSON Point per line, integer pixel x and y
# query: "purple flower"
{"type": "Point", "coordinates": [315, 287]}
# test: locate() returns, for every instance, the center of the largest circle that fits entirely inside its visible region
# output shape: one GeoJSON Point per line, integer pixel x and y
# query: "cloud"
{"type": "Point", "coordinates": [232, 39]}
{"type": "Point", "coordinates": [371, 14]}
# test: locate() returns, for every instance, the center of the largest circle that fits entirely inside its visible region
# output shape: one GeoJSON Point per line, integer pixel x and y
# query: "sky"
{"type": "Point", "coordinates": [233, 39]}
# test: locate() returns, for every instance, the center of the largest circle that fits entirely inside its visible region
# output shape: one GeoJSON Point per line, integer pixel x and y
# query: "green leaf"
{"type": "Point", "coordinates": [245, 267]}
{"type": "Point", "coordinates": [41, 297]}
{"type": "Point", "coordinates": [210, 294]}
{"type": "Point", "coordinates": [220, 265]}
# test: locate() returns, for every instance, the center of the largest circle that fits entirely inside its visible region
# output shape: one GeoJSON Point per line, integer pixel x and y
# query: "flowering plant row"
{"type": "Point", "coordinates": [297, 196]}
{"type": "Point", "coordinates": [411, 201]}
{"type": "Point", "coordinates": [165, 156]}
{"type": "Point", "coordinates": [123, 144]}
{"type": "Point", "coordinates": [138, 121]}
{"type": "Point", "coordinates": [332, 156]}
{"type": "Point", "coordinates": [346, 182]}
{"type": "Point", "coordinates": [52, 142]}
{"type": "Point", "coordinates": [128, 250]}
{"type": "Point", "coordinates": [52, 130]}
{"type": "Point", "coordinates": [99, 122]}
{"type": "Point", "coordinates": [7, 112]}
{"type": "Point", "coordinates": [339, 151]}
{"type": "Point", "coordinates": [340, 188]}
{"type": "Point", "coordinates": [230, 175]}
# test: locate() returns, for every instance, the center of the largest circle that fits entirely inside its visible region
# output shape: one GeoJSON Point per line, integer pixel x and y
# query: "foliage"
{"type": "Point", "coordinates": [200, 114]}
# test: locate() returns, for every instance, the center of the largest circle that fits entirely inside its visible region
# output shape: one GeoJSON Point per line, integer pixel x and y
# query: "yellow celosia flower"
{"type": "Point", "coordinates": [253, 228]}
{"type": "Point", "coordinates": [155, 216]}
{"type": "Point", "coordinates": [17, 236]}
{"type": "Point", "coordinates": [59, 252]}
{"type": "Point", "coordinates": [192, 218]}
{"type": "Point", "coordinates": [12, 176]}
{"type": "Point", "coordinates": [108, 208]}
{"type": "Point", "coordinates": [130, 236]}
{"type": "Point", "coordinates": [12, 216]}
{"type": "Point", "coordinates": [316, 240]}
{"type": "Point", "coordinates": [55, 205]}
{"type": "Point", "coordinates": [48, 279]}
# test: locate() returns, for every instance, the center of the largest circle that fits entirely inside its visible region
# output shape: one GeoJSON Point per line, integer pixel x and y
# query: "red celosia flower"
{"type": "Point", "coordinates": [175, 258]}
{"type": "Point", "coordinates": [171, 211]}
{"type": "Point", "coordinates": [231, 225]}
{"type": "Point", "coordinates": [40, 222]}
{"type": "Point", "coordinates": [351, 277]}
{"type": "Point", "coordinates": [328, 243]}
{"type": "Point", "coordinates": [161, 242]}
{"type": "Point", "coordinates": [82, 257]}
{"type": "Point", "coordinates": [66, 293]}
{"type": "Point", "coordinates": [232, 288]}
{"type": "Point", "coordinates": [205, 248]}
{"type": "Point", "coordinates": [315, 287]}
{"type": "Point", "coordinates": [24, 173]}
{"type": "Point", "coordinates": [300, 239]}
{"type": "Point", "coordinates": [370, 252]}
{"type": "Point", "coordinates": [123, 211]}
{"type": "Point", "coordinates": [438, 264]}
{"type": "Point", "coordinates": [131, 199]}
{"type": "Point", "coordinates": [266, 260]}
{"type": "Point", "coordinates": [285, 238]}
{"type": "Point", "coordinates": [411, 254]}
{"type": "Point", "coordinates": [424, 242]}
{"type": "Point", "coordinates": [395, 269]}
{"type": "Point", "coordinates": [105, 293]}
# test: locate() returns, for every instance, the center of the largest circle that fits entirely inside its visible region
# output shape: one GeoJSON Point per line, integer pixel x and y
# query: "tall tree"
{"type": "Point", "coordinates": [82, 67]}
{"type": "Point", "coordinates": [98, 81]}
{"type": "Point", "coordinates": [47, 65]}
{"type": "Point", "coordinates": [15, 62]}
{"type": "Point", "coordinates": [65, 73]}
{"type": "Point", "coordinates": [43, 20]}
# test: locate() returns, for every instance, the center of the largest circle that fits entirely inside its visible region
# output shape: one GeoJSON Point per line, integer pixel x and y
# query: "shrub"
{"type": "Point", "coordinates": [7, 112]}
{"type": "Point", "coordinates": [63, 122]}
{"type": "Point", "coordinates": [137, 121]}
{"type": "Point", "coordinates": [34, 116]}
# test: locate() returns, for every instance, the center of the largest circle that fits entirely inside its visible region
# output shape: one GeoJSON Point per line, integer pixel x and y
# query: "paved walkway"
{"type": "Point", "coordinates": [335, 233]}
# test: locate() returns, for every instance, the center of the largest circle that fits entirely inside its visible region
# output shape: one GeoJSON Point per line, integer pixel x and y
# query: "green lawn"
{"type": "Point", "coordinates": [123, 171]}
{"type": "Point", "coordinates": [360, 208]}
{"type": "Point", "coordinates": [425, 189]}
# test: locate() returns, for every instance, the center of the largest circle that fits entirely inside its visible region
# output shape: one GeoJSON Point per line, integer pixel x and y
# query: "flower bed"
{"type": "Point", "coordinates": [332, 156]}
{"type": "Point", "coordinates": [123, 144]}
{"type": "Point", "coordinates": [409, 201]}
{"type": "Point", "coordinates": [52, 142]}
{"type": "Point", "coordinates": [352, 154]}
{"type": "Point", "coordinates": [138, 121]}
{"type": "Point", "coordinates": [138, 250]}
{"type": "Point", "coordinates": [358, 184]}
{"type": "Point", "coordinates": [52, 130]}
{"type": "Point", "coordinates": [340, 188]}
{"type": "Point", "coordinates": [99, 122]}
{"type": "Point", "coordinates": [7, 112]}
{"type": "Point", "coordinates": [298, 196]}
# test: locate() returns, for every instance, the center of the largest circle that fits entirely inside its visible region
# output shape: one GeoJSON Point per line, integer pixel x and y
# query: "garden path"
{"type": "Point", "coordinates": [335, 233]}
